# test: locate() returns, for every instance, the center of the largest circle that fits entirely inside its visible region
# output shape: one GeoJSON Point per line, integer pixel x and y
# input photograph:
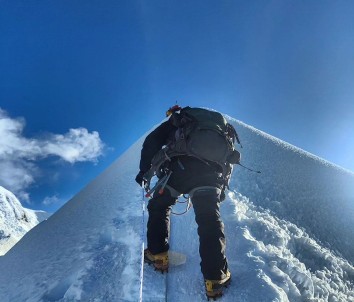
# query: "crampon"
{"type": "Point", "coordinates": [158, 261]}
{"type": "Point", "coordinates": [214, 288]}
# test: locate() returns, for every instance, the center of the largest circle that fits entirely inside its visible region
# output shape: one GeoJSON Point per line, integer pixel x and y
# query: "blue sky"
{"type": "Point", "coordinates": [110, 69]}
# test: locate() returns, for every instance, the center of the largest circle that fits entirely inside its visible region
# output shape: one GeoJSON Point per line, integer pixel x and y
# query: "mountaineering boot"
{"type": "Point", "coordinates": [159, 261]}
{"type": "Point", "coordinates": [214, 288]}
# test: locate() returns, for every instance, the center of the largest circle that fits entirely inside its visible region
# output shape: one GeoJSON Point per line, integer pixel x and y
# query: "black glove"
{"type": "Point", "coordinates": [140, 178]}
{"type": "Point", "coordinates": [222, 195]}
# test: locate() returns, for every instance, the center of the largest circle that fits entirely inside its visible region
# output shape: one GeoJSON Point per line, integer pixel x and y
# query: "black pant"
{"type": "Point", "coordinates": [210, 229]}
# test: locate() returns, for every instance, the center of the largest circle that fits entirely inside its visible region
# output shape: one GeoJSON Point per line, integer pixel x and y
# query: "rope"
{"type": "Point", "coordinates": [142, 249]}
{"type": "Point", "coordinates": [249, 168]}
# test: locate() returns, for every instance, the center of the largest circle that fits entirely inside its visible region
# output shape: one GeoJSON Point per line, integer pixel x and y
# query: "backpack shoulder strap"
{"type": "Point", "coordinates": [175, 119]}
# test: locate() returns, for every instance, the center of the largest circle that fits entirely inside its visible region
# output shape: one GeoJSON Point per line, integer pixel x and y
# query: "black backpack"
{"type": "Point", "coordinates": [203, 134]}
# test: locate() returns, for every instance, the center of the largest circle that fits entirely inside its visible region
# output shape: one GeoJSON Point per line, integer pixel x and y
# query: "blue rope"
{"type": "Point", "coordinates": [142, 249]}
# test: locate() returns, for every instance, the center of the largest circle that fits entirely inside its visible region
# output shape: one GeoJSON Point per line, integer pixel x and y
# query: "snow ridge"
{"type": "Point", "coordinates": [15, 221]}
{"type": "Point", "coordinates": [289, 260]}
{"type": "Point", "coordinates": [302, 188]}
{"type": "Point", "coordinates": [288, 231]}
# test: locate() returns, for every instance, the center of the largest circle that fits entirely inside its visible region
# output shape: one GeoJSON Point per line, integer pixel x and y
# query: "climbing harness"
{"type": "Point", "coordinates": [161, 185]}
{"type": "Point", "coordinates": [188, 206]}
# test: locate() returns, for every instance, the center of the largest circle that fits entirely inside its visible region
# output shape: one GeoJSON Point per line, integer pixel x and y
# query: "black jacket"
{"type": "Point", "coordinates": [153, 143]}
{"type": "Point", "coordinates": [187, 172]}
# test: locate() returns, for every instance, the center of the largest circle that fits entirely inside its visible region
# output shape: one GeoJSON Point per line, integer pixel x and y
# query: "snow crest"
{"type": "Point", "coordinates": [15, 221]}
{"type": "Point", "coordinates": [295, 265]}
{"type": "Point", "coordinates": [288, 229]}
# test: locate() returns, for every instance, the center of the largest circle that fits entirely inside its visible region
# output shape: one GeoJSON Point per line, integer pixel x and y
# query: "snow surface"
{"type": "Point", "coordinates": [289, 234]}
{"type": "Point", "coordinates": [15, 221]}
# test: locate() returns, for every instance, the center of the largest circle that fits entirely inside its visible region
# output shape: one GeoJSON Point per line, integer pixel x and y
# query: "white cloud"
{"type": "Point", "coordinates": [16, 175]}
{"type": "Point", "coordinates": [76, 145]}
{"type": "Point", "coordinates": [19, 154]}
{"type": "Point", "coordinates": [51, 200]}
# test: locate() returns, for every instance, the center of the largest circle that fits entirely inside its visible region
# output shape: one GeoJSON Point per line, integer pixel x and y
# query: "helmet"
{"type": "Point", "coordinates": [173, 109]}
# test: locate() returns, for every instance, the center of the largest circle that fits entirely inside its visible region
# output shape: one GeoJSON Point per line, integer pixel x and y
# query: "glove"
{"type": "Point", "coordinates": [140, 178]}
{"type": "Point", "coordinates": [222, 195]}
{"type": "Point", "coordinates": [234, 157]}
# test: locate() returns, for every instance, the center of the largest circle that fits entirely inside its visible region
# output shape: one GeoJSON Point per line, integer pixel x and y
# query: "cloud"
{"type": "Point", "coordinates": [16, 175]}
{"type": "Point", "coordinates": [18, 154]}
{"type": "Point", "coordinates": [51, 200]}
{"type": "Point", "coordinates": [77, 145]}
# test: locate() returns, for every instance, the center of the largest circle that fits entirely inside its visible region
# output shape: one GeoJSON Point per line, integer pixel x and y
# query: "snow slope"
{"type": "Point", "coordinates": [288, 231]}
{"type": "Point", "coordinates": [15, 221]}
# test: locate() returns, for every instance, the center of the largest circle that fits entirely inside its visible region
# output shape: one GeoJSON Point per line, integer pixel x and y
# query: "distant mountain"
{"type": "Point", "coordinates": [289, 234]}
{"type": "Point", "coordinates": [15, 220]}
